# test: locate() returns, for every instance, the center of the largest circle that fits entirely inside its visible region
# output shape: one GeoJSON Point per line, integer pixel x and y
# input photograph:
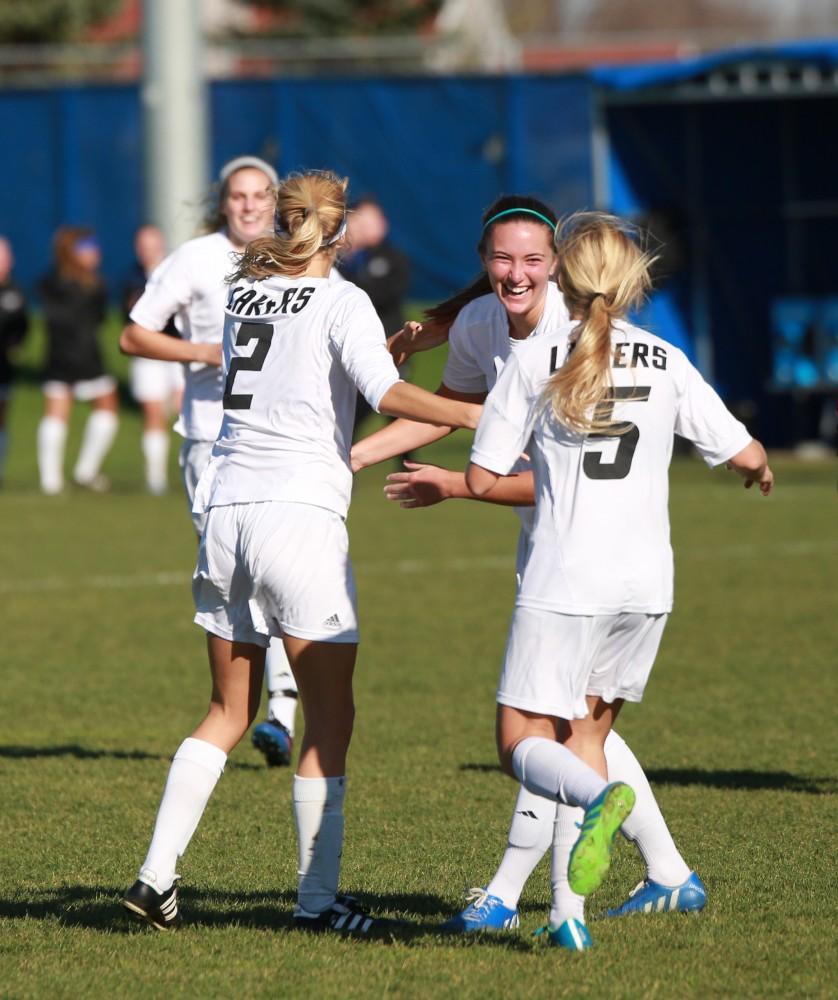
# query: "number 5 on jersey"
{"type": "Point", "coordinates": [627, 432]}
{"type": "Point", "coordinates": [262, 334]}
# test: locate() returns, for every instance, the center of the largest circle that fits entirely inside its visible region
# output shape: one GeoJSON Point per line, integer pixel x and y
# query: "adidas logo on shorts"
{"type": "Point", "coordinates": [332, 622]}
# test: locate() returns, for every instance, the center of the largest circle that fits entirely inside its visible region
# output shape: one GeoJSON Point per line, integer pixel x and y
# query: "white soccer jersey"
{"type": "Point", "coordinates": [600, 543]}
{"type": "Point", "coordinates": [190, 284]}
{"type": "Point", "coordinates": [479, 341]}
{"type": "Point", "coordinates": [295, 350]}
{"type": "Point", "coordinates": [479, 345]}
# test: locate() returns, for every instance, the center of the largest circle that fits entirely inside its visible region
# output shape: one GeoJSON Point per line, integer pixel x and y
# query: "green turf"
{"type": "Point", "coordinates": [104, 674]}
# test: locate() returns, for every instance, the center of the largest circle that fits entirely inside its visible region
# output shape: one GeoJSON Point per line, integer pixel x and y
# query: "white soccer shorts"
{"type": "Point", "coordinates": [274, 568]}
{"type": "Point", "coordinates": [84, 391]}
{"type": "Point", "coordinates": [554, 660]}
{"type": "Point", "coordinates": [193, 458]}
{"type": "Point", "coordinates": [155, 381]}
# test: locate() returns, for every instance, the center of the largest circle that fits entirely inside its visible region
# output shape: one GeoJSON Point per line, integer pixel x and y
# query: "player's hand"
{"type": "Point", "coordinates": [420, 485]}
{"type": "Point", "coordinates": [765, 482]}
{"type": "Point", "coordinates": [413, 338]}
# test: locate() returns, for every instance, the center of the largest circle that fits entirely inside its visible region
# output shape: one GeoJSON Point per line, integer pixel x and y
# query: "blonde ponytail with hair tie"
{"type": "Point", "coordinates": [602, 274]}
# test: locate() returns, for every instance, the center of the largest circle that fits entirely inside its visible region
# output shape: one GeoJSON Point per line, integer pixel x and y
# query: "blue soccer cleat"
{"type": "Point", "coordinates": [652, 897]}
{"type": "Point", "coordinates": [484, 913]}
{"type": "Point", "coordinates": [590, 858]}
{"type": "Point", "coordinates": [572, 935]}
{"type": "Point", "coordinates": [274, 741]}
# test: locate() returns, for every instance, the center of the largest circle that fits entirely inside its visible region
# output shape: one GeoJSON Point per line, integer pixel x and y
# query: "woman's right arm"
{"type": "Point", "coordinates": [143, 343]}
{"type": "Point", "coordinates": [406, 435]}
{"type": "Point", "coordinates": [405, 400]}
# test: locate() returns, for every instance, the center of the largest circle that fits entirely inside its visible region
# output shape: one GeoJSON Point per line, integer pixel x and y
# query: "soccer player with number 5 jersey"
{"type": "Point", "coordinates": [595, 405]}
{"type": "Point", "coordinates": [515, 302]}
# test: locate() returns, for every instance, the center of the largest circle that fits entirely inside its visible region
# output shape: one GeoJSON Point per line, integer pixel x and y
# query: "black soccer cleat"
{"type": "Point", "coordinates": [347, 916]}
{"type": "Point", "coordinates": [151, 907]}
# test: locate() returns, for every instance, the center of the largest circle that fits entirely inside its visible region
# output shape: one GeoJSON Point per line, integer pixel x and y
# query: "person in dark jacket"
{"type": "Point", "coordinates": [75, 301]}
{"type": "Point", "coordinates": [376, 266]}
{"type": "Point", "coordinates": [14, 325]}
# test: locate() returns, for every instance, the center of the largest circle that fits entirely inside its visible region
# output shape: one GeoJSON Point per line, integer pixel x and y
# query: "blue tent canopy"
{"type": "Point", "coordinates": [823, 54]}
{"type": "Point", "coordinates": [732, 156]}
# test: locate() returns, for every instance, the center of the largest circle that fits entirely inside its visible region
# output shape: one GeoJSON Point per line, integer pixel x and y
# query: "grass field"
{"type": "Point", "coordinates": [104, 674]}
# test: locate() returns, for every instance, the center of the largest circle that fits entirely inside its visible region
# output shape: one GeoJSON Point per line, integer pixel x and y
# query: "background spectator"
{"type": "Point", "coordinates": [375, 265]}
{"type": "Point", "coordinates": [156, 385]}
{"type": "Point", "coordinates": [75, 301]}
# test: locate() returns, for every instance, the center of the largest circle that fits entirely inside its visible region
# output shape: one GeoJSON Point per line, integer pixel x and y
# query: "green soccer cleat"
{"type": "Point", "coordinates": [590, 858]}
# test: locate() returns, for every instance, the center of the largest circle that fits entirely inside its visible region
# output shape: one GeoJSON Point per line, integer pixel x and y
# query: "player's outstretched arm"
{"type": "Point", "coordinates": [405, 400]}
{"type": "Point", "coordinates": [425, 485]}
{"type": "Point", "coordinates": [397, 438]}
{"type": "Point", "coordinates": [403, 436]}
{"type": "Point", "coordinates": [142, 343]}
{"type": "Point", "coordinates": [752, 465]}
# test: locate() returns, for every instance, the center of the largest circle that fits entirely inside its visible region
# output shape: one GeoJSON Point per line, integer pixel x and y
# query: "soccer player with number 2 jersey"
{"type": "Point", "coordinates": [274, 556]}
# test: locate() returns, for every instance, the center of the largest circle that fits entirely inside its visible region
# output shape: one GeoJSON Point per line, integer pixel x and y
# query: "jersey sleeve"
{"type": "Point", "coordinates": [704, 419]}
{"type": "Point", "coordinates": [167, 291]}
{"type": "Point", "coordinates": [462, 373]}
{"type": "Point", "coordinates": [358, 338]}
{"type": "Point", "coordinates": [506, 424]}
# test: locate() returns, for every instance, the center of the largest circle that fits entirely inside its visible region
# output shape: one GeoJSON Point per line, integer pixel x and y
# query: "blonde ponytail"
{"type": "Point", "coordinates": [310, 218]}
{"type": "Point", "coordinates": [602, 274]}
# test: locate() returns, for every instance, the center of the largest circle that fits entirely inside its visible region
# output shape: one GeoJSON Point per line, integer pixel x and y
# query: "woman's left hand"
{"type": "Point", "coordinates": [421, 485]}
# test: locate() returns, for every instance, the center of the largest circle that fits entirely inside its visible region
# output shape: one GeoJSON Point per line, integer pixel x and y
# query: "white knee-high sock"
{"type": "Point", "coordinates": [566, 903]}
{"type": "Point", "coordinates": [99, 432]}
{"type": "Point", "coordinates": [281, 685]}
{"type": "Point", "coordinates": [194, 773]}
{"type": "Point", "coordinates": [52, 439]}
{"type": "Point", "coordinates": [547, 768]}
{"type": "Point", "coordinates": [646, 826]}
{"type": "Point", "coordinates": [318, 812]}
{"type": "Point", "coordinates": [155, 447]}
{"type": "Point", "coordinates": [530, 836]}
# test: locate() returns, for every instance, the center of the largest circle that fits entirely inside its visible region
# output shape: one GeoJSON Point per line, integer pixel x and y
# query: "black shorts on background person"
{"type": "Point", "coordinates": [74, 299]}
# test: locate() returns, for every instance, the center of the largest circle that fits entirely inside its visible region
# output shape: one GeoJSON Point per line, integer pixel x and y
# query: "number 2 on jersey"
{"type": "Point", "coordinates": [261, 333]}
{"type": "Point", "coordinates": [629, 434]}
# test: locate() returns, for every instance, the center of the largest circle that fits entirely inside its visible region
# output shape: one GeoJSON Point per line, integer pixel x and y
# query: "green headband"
{"type": "Point", "coordinates": [510, 211]}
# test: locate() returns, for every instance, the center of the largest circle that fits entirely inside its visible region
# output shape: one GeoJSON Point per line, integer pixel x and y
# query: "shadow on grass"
{"type": "Point", "coordinates": [99, 908]}
{"type": "Point", "coordinates": [736, 780]}
{"type": "Point", "coordinates": [781, 781]}
{"type": "Point", "coordinates": [14, 752]}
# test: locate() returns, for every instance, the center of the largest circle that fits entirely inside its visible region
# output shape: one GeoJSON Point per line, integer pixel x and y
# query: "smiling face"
{"type": "Point", "coordinates": [520, 261]}
{"type": "Point", "coordinates": [248, 206]}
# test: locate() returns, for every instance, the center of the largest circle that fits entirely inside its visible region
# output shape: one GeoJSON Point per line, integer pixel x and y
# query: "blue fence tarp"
{"type": "Point", "coordinates": [748, 186]}
{"type": "Point", "coordinates": [436, 152]}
